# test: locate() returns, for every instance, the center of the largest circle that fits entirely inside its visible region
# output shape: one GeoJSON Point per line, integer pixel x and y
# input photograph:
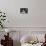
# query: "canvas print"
{"type": "Point", "coordinates": [23, 10]}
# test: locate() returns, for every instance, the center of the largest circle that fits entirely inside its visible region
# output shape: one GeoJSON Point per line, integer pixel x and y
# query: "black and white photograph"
{"type": "Point", "coordinates": [24, 10]}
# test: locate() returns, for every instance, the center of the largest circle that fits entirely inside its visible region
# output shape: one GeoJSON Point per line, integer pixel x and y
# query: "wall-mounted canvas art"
{"type": "Point", "coordinates": [24, 10]}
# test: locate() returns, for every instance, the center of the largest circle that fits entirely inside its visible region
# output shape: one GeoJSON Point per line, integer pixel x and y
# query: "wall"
{"type": "Point", "coordinates": [35, 18]}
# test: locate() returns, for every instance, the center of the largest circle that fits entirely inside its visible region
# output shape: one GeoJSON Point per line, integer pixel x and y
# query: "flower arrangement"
{"type": "Point", "coordinates": [2, 19]}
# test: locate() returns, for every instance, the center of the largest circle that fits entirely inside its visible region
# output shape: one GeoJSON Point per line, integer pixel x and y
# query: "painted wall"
{"type": "Point", "coordinates": [35, 18]}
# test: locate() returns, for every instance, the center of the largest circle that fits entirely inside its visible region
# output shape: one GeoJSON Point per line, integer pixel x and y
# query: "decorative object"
{"type": "Point", "coordinates": [23, 10]}
{"type": "Point", "coordinates": [7, 30]}
{"type": "Point", "coordinates": [8, 40]}
{"type": "Point", "coordinates": [2, 19]}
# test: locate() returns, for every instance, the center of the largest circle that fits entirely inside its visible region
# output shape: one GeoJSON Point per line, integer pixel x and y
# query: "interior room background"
{"type": "Point", "coordinates": [35, 20]}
